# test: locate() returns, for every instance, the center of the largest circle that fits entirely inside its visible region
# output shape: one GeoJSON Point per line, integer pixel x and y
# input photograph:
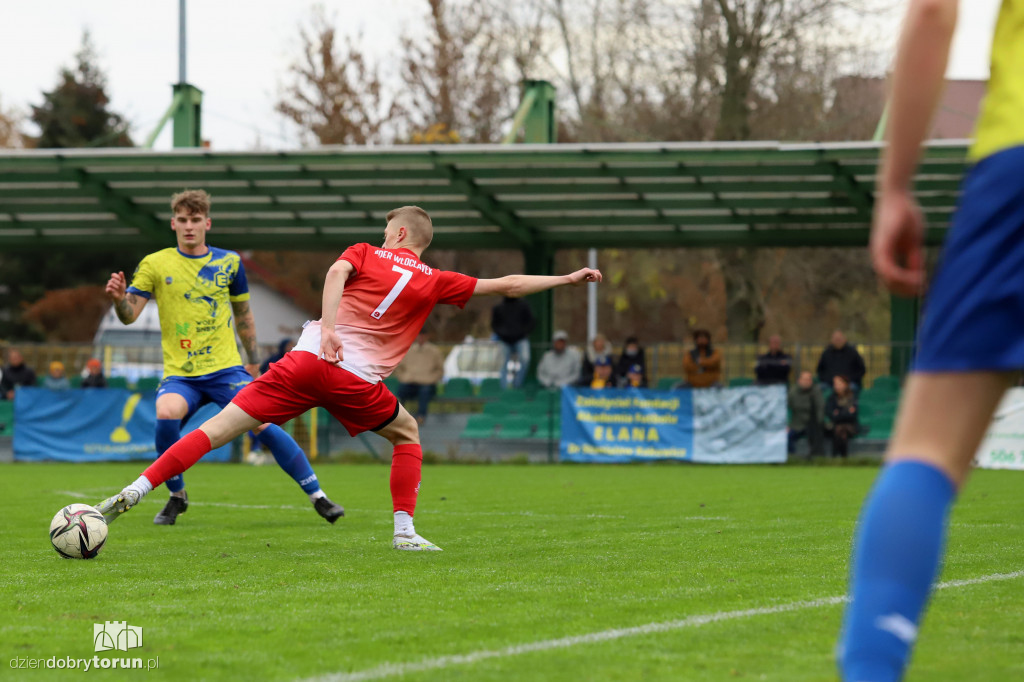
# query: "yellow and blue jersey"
{"type": "Point", "coordinates": [193, 295]}
{"type": "Point", "coordinates": [999, 126]}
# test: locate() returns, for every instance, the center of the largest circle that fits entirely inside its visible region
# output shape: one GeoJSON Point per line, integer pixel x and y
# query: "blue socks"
{"type": "Point", "coordinates": [897, 551]}
{"type": "Point", "coordinates": [289, 456]}
{"type": "Point", "coordinates": [168, 431]}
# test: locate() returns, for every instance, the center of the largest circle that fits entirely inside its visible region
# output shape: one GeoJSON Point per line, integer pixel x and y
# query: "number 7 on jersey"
{"type": "Point", "coordinates": [405, 276]}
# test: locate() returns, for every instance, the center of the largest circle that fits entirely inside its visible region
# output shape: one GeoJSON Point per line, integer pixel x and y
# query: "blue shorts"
{"type": "Point", "coordinates": [974, 316]}
{"type": "Point", "coordinates": [218, 388]}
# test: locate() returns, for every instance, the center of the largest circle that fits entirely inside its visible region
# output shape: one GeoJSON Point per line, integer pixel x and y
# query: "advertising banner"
{"type": "Point", "coordinates": [93, 425]}
{"type": "Point", "coordinates": [725, 426]}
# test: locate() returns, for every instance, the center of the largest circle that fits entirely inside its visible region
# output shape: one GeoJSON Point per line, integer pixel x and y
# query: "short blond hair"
{"type": "Point", "coordinates": [417, 221]}
{"type": "Point", "coordinates": [192, 201]}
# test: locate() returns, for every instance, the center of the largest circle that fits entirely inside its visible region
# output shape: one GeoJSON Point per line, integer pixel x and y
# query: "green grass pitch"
{"type": "Point", "coordinates": [251, 584]}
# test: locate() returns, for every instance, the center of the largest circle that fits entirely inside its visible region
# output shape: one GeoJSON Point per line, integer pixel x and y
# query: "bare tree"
{"type": "Point", "coordinates": [11, 136]}
{"type": "Point", "coordinates": [460, 76]}
{"type": "Point", "coordinates": [335, 94]}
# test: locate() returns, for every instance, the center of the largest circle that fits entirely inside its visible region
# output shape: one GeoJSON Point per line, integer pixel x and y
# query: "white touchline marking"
{"type": "Point", "coordinates": [397, 669]}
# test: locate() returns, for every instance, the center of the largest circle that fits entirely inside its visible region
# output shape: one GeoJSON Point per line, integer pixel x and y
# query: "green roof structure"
{"type": "Point", "coordinates": [528, 197]}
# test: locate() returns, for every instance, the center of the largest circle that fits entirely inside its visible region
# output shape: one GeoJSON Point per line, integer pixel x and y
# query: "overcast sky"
{"type": "Point", "coordinates": [239, 51]}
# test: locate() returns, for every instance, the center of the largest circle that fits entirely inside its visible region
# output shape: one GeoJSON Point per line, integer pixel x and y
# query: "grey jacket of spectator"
{"type": "Point", "coordinates": [555, 371]}
{"type": "Point", "coordinates": [807, 407]}
{"type": "Point", "coordinates": [22, 375]}
{"type": "Point", "coordinates": [512, 320]}
{"type": "Point", "coordinates": [773, 368]}
{"type": "Point", "coordinates": [56, 383]}
{"type": "Point", "coordinates": [846, 361]}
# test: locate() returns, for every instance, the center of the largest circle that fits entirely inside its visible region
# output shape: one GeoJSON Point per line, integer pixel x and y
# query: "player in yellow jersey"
{"type": "Point", "coordinates": [971, 334]}
{"type": "Point", "coordinates": [199, 290]}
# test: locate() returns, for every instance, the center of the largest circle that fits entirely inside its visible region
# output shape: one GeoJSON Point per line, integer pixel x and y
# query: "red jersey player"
{"type": "Point", "coordinates": [375, 301]}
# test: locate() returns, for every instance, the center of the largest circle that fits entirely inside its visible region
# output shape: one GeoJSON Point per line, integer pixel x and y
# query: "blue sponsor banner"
{"type": "Point", "coordinates": [727, 426]}
{"type": "Point", "coordinates": [93, 425]}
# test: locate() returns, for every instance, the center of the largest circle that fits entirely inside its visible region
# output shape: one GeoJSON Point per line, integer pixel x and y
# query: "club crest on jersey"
{"type": "Point", "coordinates": [168, 280]}
{"type": "Point", "coordinates": [211, 278]}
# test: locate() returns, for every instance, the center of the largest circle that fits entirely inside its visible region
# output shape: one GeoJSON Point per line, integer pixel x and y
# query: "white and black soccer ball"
{"type": "Point", "coordinates": [78, 531]}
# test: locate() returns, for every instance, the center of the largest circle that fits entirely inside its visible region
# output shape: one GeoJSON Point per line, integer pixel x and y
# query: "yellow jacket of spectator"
{"type": "Point", "coordinates": [423, 364]}
{"type": "Point", "coordinates": [706, 371]}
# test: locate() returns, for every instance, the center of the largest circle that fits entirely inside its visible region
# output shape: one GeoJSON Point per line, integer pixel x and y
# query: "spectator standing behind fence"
{"type": "Point", "coordinates": [57, 379]}
{"type": "Point", "coordinates": [511, 322]}
{"type": "Point", "coordinates": [598, 349]}
{"type": "Point", "coordinates": [418, 374]}
{"type": "Point", "coordinates": [703, 363]}
{"type": "Point", "coordinates": [807, 409]}
{"type": "Point", "coordinates": [841, 415]}
{"type": "Point", "coordinates": [16, 373]}
{"type": "Point", "coordinates": [774, 366]}
{"type": "Point", "coordinates": [559, 366]}
{"type": "Point", "coordinates": [840, 358]}
{"type": "Point", "coordinates": [632, 356]}
{"type": "Point", "coordinates": [94, 378]}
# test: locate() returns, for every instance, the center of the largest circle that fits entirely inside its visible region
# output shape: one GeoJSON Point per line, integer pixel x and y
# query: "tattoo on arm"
{"type": "Point", "coordinates": [125, 308]}
{"type": "Point", "coordinates": [246, 326]}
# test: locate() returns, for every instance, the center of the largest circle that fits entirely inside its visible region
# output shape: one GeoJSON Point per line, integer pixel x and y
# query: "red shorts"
{"type": "Point", "coordinates": [300, 381]}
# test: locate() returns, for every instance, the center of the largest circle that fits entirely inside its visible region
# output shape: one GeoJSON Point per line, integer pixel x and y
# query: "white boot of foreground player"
{"type": "Point", "coordinates": [406, 537]}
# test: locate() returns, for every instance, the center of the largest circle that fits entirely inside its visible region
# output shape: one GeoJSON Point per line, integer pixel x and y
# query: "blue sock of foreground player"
{"type": "Point", "coordinates": [168, 431]}
{"type": "Point", "coordinates": [896, 558]}
{"type": "Point", "coordinates": [290, 457]}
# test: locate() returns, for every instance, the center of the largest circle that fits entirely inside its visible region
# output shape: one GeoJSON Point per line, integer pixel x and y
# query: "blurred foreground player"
{"type": "Point", "coordinates": [199, 290]}
{"type": "Point", "coordinates": [971, 333]}
{"type": "Point", "coordinates": [375, 302]}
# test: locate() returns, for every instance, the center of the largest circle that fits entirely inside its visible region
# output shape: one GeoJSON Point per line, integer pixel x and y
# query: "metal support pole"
{"type": "Point", "coordinates": [182, 42]}
{"type": "Point", "coordinates": [540, 262]}
{"type": "Point", "coordinates": [591, 297]}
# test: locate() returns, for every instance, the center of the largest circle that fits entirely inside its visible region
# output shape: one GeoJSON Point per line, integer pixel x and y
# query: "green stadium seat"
{"type": "Point", "coordinates": [458, 388]}
{"type": "Point", "coordinates": [513, 397]}
{"type": "Point", "coordinates": [517, 426]}
{"type": "Point", "coordinates": [147, 384]}
{"type": "Point", "coordinates": [499, 409]}
{"type": "Point", "coordinates": [117, 382]}
{"type": "Point", "coordinates": [548, 428]}
{"type": "Point", "coordinates": [76, 381]}
{"type": "Point", "coordinates": [740, 381]}
{"type": "Point", "coordinates": [480, 426]}
{"type": "Point", "coordinates": [391, 383]}
{"type": "Point", "coordinates": [6, 417]}
{"type": "Point", "coordinates": [667, 383]}
{"type": "Point", "coordinates": [888, 384]}
{"type": "Point", "coordinates": [540, 408]}
{"type": "Point", "coordinates": [490, 388]}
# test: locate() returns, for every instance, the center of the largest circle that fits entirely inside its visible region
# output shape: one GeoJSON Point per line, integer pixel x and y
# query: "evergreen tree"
{"type": "Point", "coordinates": [76, 113]}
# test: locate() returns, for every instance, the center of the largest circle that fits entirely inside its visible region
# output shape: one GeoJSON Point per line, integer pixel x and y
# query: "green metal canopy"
{"type": "Point", "coordinates": [525, 197]}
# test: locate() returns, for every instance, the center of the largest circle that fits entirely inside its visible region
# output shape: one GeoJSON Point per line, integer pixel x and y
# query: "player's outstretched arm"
{"type": "Point", "coordinates": [334, 288]}
{"type": "Point", "coordinates": [516, 286]}
{"type": "Point", "coordinates": [126, 305]}
{"type": "Point", "coordinates": [916, 88]}
{"type": "Point", "coordinates": [245, 325]}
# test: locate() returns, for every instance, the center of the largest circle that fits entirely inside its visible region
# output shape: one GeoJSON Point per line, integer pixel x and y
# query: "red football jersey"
{"type": "Point", "coordinates": [386, 302]}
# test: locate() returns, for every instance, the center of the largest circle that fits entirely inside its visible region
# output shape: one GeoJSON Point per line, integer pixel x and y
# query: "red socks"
{"type": "Point", "coordinates": [406, 464]}
{"type": "Point", "coordinates": [178, 457]}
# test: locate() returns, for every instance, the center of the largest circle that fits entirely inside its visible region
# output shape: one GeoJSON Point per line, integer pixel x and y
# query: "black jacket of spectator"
{"type": "Point", "coordinates": [773, 368]}
{"type": "Point", "coordinates": [846, 361]}
{"type": "Point", "coordinates": [22, 375]}
{"type": "Point", "coordinates": [282, 348]}
{"type": "Point", "coordinates": [94, 381]}
{"type": "Point", "coordinates": [624, 362]}
{"type": "Point", "coordinates": [512, 320]}
{"type": "Point", "coordinates": [841, 410]}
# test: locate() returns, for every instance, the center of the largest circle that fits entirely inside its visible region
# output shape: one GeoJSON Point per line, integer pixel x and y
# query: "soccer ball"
{"type": "Point", "coordinates": [78, 531]}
